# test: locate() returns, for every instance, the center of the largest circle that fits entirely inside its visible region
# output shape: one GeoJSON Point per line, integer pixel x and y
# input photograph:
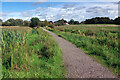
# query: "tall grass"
{"type": "Point", "coordinates": [102, 44]}
{"type": "Point", "coordinates": [31, 54]}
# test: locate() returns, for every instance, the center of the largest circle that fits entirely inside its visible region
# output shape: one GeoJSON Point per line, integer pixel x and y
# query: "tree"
{"type": "Point", "coordinates": [50, 22]}
{"type": "Point", "coordinates": [6, 23]}
{"type": "Point", "coordinates": [117, 20]}
{"type": "Point", "coordinates": [64, 21]}
{"type": "Point", "coordinates": [42, 23]}
{"type": "Point", "coordinates": [34, 22]}
{"type": "Point", "coordinates": [0, 22]}
{"type": "Point", "coordinates": [71, 21]}
{"type": "Point", "coordinates": [99, 20]}
{"type": "Point", "coordinates": [19, 22]}
{"type": "Point", "coordinates": [60, 22]}
{"type": "Point", "coordinates": [26, 23]}
{"type": "Point", "coordinates": [76, 22]}
{"type": "Point", "coordinates": [82, 22]}
{"type": "Point", "coordinates": [46, 23]}
{"type": "Point", "coordinates": [12, 22]}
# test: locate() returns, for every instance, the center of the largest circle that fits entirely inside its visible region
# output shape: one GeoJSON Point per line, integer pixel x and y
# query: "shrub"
{"type": "Point", "coordinates": [51, 26]}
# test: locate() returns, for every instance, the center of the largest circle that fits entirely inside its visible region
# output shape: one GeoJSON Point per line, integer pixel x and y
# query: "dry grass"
{"type": "Point", "coordinates": [21, 28]}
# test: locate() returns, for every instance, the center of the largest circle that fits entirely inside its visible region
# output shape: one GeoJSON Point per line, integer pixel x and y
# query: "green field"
{"type": "Point", "coordinates": [30, 53]}
{"type": "Point", "coordinates": [99, 42]}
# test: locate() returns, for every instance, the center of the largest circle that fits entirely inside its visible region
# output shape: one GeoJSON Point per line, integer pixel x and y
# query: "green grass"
{"type": "Point", "coordinates": [97, 24]}
{"type": "Point", "coordinates": [31, 54]}
{"type": "Point", "coordinates": [86, 27]}
{"type": "Point", "coordinates": [0, 68]}
{"type": "Point", "coordinates": [102, 45]}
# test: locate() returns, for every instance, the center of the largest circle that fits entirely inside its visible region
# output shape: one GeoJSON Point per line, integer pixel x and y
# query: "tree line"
{"type": "Point", "coordinates": [36, 22]}
{"type": "Point", "coordinates": [15, 22]}
{"type": "Point", "coordinates": [102, 20]}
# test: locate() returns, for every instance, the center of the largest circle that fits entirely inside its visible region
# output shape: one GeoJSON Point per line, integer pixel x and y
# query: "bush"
{"type": "Point", "coordinates": [51, 26]}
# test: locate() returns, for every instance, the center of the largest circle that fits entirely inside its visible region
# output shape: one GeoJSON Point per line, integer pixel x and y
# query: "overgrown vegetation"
{"type": "Point", "coordinates": [98, 42]}
{"type": "Point", "coordinates": [30, 53]}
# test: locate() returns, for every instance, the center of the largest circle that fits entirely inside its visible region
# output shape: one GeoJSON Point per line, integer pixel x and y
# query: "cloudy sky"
{"type": "Point", "coordinates": [54, 10]}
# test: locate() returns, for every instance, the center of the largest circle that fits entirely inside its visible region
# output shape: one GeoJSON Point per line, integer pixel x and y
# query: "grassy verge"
{"type": "Point", "coordinates": [102, 45]}
{"type": "Point", "coordinates": [31, 53]}
{"type": "Point", "coordinates": [97, 24]}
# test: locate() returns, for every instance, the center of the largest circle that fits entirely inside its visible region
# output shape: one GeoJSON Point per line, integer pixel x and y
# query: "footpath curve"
{"type": "Point", "coordinates": [79, 64]}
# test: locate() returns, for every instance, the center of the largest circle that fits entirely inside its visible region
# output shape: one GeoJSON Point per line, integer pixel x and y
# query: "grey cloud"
{"type": "Point", "coordinates": [75, 16]}
{"type": "Point", "coordinates": [39, 2]}
{"type": "Point", "coordinates": [118, 2]}
{"type": "Point", "coordinates": [80, 7]}
{"type": "Point", "coordinates": [98, 11]}
{"type": "Point", "coordinates": [51, 5]}
{"type": "Point", "coordinates": [108, 9]}
{"type": "Point", "coordinates": [96, 7]}
{"type": "Point", "coordinates": [36, 3]}
{"type": "Point", "coordinates": [65, 6]}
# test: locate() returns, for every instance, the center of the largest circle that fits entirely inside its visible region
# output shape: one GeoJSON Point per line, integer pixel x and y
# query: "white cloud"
{"type": "Point", "coordinates": [84, 0]}
{"type": "Point", "coordinates": [108, 0]}
{"type": "Point", "coordinates": [27, 13]}
{"type": "Point", "coordinates": [39, 8]}
{"type": "Point", "coordinates": [116, 17]}
{"type": "Point", "coordinates": [78, 12]}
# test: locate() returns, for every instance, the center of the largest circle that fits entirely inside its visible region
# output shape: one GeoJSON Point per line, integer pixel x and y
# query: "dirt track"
{"type": "Point", "coordinates": [79, 64]}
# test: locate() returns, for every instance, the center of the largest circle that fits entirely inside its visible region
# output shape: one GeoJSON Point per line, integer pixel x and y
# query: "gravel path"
{"type": "Point", "coordinates": [79, 64]}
